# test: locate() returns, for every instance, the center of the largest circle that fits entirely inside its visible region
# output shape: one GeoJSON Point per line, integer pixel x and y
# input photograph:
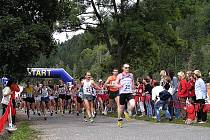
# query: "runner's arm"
{"type": "Point", "coordinates": [107, 83]}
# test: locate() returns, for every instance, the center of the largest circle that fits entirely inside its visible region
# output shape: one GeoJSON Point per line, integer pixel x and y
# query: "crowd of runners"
{"type": "Point", "coordinates": [181, 97]}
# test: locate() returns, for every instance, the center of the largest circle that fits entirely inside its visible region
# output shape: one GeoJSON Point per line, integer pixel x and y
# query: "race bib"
{"type": "Point", "coordinates": [30, 95]}
{"type": "Point", "coordinates": [127, 87]}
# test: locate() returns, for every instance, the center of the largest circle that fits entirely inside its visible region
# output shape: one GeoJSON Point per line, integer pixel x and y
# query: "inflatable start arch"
{"type": "Point", "coordinates": [50, 73]}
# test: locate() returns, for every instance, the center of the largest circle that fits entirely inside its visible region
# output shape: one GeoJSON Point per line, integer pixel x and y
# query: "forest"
{"type": "Point", "coordinates": [150, 35]}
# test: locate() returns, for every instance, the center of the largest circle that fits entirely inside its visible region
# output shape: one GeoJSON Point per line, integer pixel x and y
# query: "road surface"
{"type": "Point", "coordinates": [71, 127]}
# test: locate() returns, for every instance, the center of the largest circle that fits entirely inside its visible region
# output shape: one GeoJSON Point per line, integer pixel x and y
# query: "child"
{"type": "Point", "coordinates": [190, 109]}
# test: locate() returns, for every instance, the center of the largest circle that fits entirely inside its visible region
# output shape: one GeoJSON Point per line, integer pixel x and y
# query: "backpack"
{"type": "Point", "coordinates": [164, 95]}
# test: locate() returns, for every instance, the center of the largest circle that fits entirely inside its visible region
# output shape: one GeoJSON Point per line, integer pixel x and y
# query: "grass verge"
{"type": "Point", "coordinates": [24, 132]}
{"type": "Point", "coordinates": [174, 121]}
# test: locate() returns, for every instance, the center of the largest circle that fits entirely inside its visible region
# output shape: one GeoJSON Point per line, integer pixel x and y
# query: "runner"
{"type": "Point", "coordinates": [69, 98]}
{"type": "Point", "coordinates": [112, 90]}
{"type": "Point", "coordinates": [56, 94]}
{"type": "Point", "coordinates": [62, 96]}
{"type": "Point", "coordinates": [125, 82]}
{"type": "Point", "coordinates": [52, 96]}
{"type": "Point", "coordinates": [45, 100]}
{"type": "Point", "coordinates": [88, 86]}
{"type": "Point", "coordinates": [29, 90]}
{"type": "Point", "coordinates": [102, 97]}
{"type": "Point", "coordinates": [37, 97]}
{"type": "Point", "coordinates": [79, 100]}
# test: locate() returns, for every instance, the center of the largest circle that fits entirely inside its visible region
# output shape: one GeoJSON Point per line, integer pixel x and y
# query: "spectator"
{"type": "Point", "coordinates": [163, 75]}
{"type": "Point", "coordinates": [148, 94]}
{"type": "Point", "coordinates": [201, 95]}
{"type": "Point", "coordinates": [141, 97]}
{"type": "Point", "coordinates": [190, 109]}
{"type": "Point", "coordinates": [182, 93]}
{"type": "Point", "coordinates": [162, 102]}
{"type": "Point", "coordinates": [191, 85]}
{"type": "Point", "coordinates": [173, 106]}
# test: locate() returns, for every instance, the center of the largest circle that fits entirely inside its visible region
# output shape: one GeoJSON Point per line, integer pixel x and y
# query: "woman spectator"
{"type": "Point", "coordinates": [182, 93]}
{"type": "Point", "coordinates": [163, 75]}
{"type": "Point", "coordinates": [201, 95]}
{"type": "Point", "coordinates": [9, 92]}
{"type": "Point", "coordinates": [173, 106]}
{"type": "Point", "coordinates": [148, 96]}
{"type": "Point", "coordinates": [191, 85]}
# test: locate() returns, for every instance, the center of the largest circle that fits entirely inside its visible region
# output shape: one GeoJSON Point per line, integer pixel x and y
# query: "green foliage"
{"type": "Point", "coordinates": [150, 35]}
{"type": "Point", "coordinates": [26, 28]}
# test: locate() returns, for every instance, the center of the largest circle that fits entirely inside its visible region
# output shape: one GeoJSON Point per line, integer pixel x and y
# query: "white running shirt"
{"type": "Point", "coordinates": [127, 83]}
{"type": "Point", "coordinates": [87, 88]}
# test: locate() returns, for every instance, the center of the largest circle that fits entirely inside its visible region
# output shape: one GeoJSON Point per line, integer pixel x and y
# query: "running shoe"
{"type": "Point", "coordinates": [51, 114]}
{"type": "Point", "coordinates": [91, 120]}
{"type": "Point", "coordinates": [45, 118]}
{"type": "Point", "coordinates": [127, 117]}
{"type": "Point", "coordinates": [119, 123]}
{"type": "Point", "coordinates": [202, 122]}
{"type": "Point", "coordinates": [34, 113]}
{"type": "Point", "coordinates": [85, 119]}
{"type": "Point", "coordinates": [77, 113]}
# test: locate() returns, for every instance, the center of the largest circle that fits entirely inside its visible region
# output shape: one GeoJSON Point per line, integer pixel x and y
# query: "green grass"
{"type": "Point", "coordinates": [174, 121]}
{"type": "Point", "coordinates": [24, 132]}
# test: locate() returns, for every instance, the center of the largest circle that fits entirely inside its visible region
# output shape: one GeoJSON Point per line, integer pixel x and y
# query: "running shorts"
{"type": "Point", "coordinates": [104, 97]}
{"type": "Point", "coordinates": [88, 97]}
{"type": "Point", "coordinates": [45, 99]}
{"type": "Point", "coordinates": [79, 100]}
{"type": "Point", "coordinates": [52, 97]}
{"type": "Point", "coordinates": [30, 99]}
{"type": "Point", "coordinates": [113, 94]}
{"type": "Point", "coordinates": [38, 98]}
{"type": "Point", "coordinates": [124, 98]}
{"type": "Point", "coordinates": [68, 97]}
{"type": "Point", "coordinates": [62, 96]}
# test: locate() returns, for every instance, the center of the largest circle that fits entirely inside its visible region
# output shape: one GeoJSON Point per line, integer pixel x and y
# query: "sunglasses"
{"type": "Point", "coordinates": [127, 67]}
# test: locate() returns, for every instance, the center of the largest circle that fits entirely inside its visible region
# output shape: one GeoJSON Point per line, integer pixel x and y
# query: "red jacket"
{"type": "Point", "coordinates": [140, 89]}
{"type": "Point", "coordinates": [191, 88]}
{"type": "Point", "coordinates": [182, 89]}
{"type": "Point", "coordinates": [190, 112]}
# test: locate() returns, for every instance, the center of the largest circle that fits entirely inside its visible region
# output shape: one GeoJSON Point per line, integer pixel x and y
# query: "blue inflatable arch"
{"type": "Point", "coordinates": [50, 73]}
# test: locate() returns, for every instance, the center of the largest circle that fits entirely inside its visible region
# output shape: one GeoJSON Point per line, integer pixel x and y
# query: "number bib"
{"type": "Point", "coordinates": [30, 95]}
{"type": "Point", "coordinates": [127, 83]}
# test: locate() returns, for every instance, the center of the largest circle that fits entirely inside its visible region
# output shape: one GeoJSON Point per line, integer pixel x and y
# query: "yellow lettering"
{"type": "Point", "coordinates": [44, 73]}
{"type": "Point", "coordinates": [38, 73]}
{"type": "Point", "coordinates": [49, 72]}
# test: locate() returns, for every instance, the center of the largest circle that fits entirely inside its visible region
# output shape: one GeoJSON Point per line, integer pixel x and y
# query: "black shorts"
{"type": "Point", "coordinates": [56, 99]}
{"type": "Point", "coordinates": [29, 99]}
{"type": "Point", "coordinates": [113, 94]}
{"type": "Point", "coordinates": [124, 98]}
{"type": "Point", "coordinates": [68, 97]}
{"type": "Point", "coordinates": [45, 99]}
{"type": "Point", "coordinates": [79, 100]}
{"type": "Point", "coordinates": [62, 96]}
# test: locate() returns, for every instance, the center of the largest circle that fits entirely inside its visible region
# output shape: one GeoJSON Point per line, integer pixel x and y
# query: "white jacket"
{"type": "Point", "coordinates": [5, 99]}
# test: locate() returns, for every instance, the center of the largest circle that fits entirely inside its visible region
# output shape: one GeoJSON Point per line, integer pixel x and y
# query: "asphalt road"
{"type": "Point", "coordinates": [71, 127]}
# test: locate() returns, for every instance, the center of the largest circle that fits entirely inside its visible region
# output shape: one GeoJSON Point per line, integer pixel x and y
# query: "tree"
{"type": "Point", "coordinates": [26, 28]}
